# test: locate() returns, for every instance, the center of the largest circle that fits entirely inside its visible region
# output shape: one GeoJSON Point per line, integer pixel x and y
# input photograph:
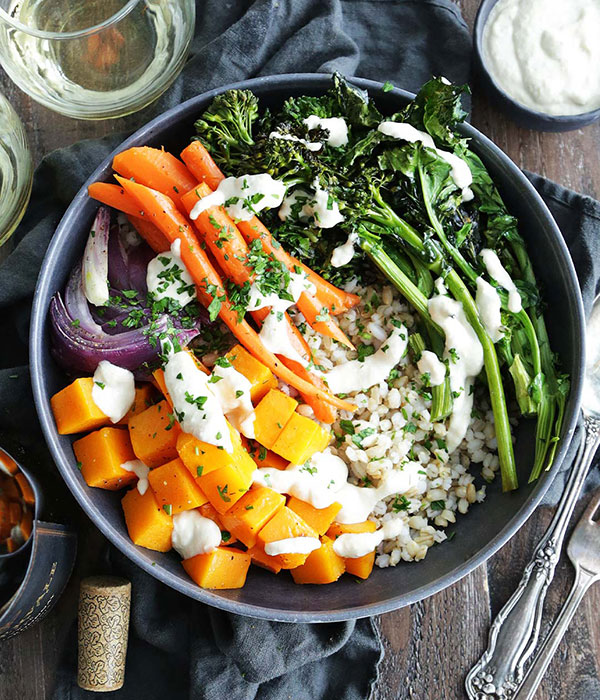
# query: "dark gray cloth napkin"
{"type": "Point", "coordinates": [178, 648]}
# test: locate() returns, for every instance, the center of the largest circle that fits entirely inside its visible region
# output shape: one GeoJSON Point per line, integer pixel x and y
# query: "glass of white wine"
{"type": "Point", "coordinates": [95, 59]}
{"type": "Point", "coordinates": [16, 170]}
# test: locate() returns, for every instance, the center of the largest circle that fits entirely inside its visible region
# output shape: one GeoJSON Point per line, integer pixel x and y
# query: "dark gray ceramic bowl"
{"type": "Point", "coordinates": [529, 118]}
{"type": "Point", "coordinates": [478, 534]}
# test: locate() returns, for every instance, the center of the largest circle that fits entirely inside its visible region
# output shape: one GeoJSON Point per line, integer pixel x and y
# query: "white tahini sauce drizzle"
{"type": "Point", "coordinates": [194, 403]}
{"type": "Point", "coordinates": [233, 393]}
{"type": "Point", "coordinates": [320, 206]}
{"type": "Point", "coordinates": [168, 277]}
{"type": "Point", "coordinates": [459, 169]}
{"type": "Point", "coordinates": [352, 545]}
{"type": "Point", "coordinates": [325, 481]}
{"type": "Point", "coordinates": [355, 375]}
{"type": "Point", "coordinates": [344, 253]}
{"type": "Point", "coordinates": [275, 329]}
{"type": "Point", "coordinates": [336, 126]}
{"type": "Point", "coordinates": [545, 53]}
{"type": "Point", "coordinates": [194, 534]}
{"type": "Point", "coordinates": [243, 196]}
{"type": "Point", "coordinates": [497, 272]}
{"type": "Point", "coordinates": [311, 145]}
{"type": "Point", "coordinates": [489, 308]}
{"type": "Point", "coordinates": [141, 471]}
{"type": "Point", "coordinates": [440, 286]}
{"type": "Point", "coordinates": [465, 361]}
{"type": "Point", "coordinates": [430, 364]}
{"type": "Point", "coordinates": [113, 390]}
{"type": "Point", "coordinates": [292, 545]}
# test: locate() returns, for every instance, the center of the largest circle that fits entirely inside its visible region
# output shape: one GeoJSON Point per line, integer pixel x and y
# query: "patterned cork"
{"type": "Point", "coordinates": [103, 628]}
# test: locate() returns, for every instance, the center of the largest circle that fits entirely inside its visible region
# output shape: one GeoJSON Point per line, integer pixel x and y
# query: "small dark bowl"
{"type": "Point", "coordinates": [522, 115]}
{"type": "Point", "coordinates": [479, 534]}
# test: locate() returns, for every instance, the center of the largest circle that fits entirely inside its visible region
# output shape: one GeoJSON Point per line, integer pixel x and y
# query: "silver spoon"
{"type": "Point", "coordinates": [515, 631]}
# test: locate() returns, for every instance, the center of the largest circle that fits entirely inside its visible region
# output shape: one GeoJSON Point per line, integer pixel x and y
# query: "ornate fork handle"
{"type": "Point", "coordinates": [515, 631]}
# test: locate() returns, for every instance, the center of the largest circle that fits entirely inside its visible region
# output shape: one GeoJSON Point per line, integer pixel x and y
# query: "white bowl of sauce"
{"type": "Point", "coordinates": [541, 60]}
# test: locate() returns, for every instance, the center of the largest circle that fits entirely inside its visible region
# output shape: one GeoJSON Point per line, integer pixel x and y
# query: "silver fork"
{"type": "Point", "coordinates": [584, 551]}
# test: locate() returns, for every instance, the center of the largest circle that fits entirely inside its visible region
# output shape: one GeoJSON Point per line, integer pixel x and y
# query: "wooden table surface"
{"type": "Point", "coordinates": [430, 645]}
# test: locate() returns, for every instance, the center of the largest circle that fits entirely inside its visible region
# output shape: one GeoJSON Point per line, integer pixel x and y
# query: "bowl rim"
{"type": "Point", "coordinates": [564, 120]}
{"type": "Point", "coordinates": [296, 81]}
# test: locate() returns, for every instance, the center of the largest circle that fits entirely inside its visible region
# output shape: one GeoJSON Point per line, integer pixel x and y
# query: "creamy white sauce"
{"type": "Point", "coordinates": [168, 277]}
{"type": "Point", "coordinates": [196, 407]}
{"type": "Point", "coordinates": [497, 272]}
{"type": "Point", "coordinates": [311, 145]}
{"type": "Point", "coordinates": [141, 471]}
{"type": "Point", "coordinates": [336, 126]}
{"type": "Point", "coordinates": [233, 393]}
{"type": "Point", "coordinates": [440, 286]}
{"type": "Point", "coordinates": [545, 53]}
{"type": "Point", "coordinates": [292, 545]}
{"type": "Point", "coordinates": [194, 534]}
{"type": "Point", "coordinates": [352, 545]}
{"type": "Point", "coordinates": [459, 169]}
{"type": "Point", "coordinates": [489, 308]}
{"type": "Point", "coordinates": [465, 361]}
{"type": "Point", "coordinates": [320, 206]}
{"type": "Point", "coordinates": [344, 253]}
{"type": "Point", "coordinates": [275, 329]}
{"type": "Point", "coordinates": [324, 480]}
{"type": "Point", "coordinates": [113, 390]}
{"type": "Point", "coordinates": [243, 197]}
{"type": "Point", "coordinates": [355, 375]}
{"type": "Point", "coordinates": [430, 364]}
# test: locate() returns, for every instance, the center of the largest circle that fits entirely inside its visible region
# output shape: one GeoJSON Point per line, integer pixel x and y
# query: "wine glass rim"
{"type": "Point", "coordinates": [78, 34]}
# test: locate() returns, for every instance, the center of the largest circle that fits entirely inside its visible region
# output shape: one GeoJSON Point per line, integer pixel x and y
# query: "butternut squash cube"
{"type": "Point", "coordinates": [319, 519]}
{"type": "Point", "coordinates": [208, 511]}
{"type": "Point", "coordinates": [154, 434]}
{"type": "Point", "coordinates": [283, 525]}
{"type": "Point", "coordinates": [322, 566]}
{"type": "Point", "coordinates": [221, 569]}
{"type": "Point", "coordinates": [271, 415]}
{"type": "Point", "coordinates": [142, 401]}
{"type": "Point", "coordinates": [267, 458]}
{"type": "Point", "coordinates": [360, 567]}
{"type": "Point", "coordinates": [25, 488]}
{"type": "Point", "coordinates": [251, 513]}
{"type": "Point", "coordinates": [260, 377]}
{"type": "Point", "coordinates": [202, 457]}
{"type": "Point", "coordinates": [101, 454]}
{"type": "Point", "coordinates": [159, 378]}
{"type": "Point", "coordinates": [147, 523]}
{"type": "Point", "coordinates": [300, 439]}
{"type": "Point", "coordinates": [338, 529]}
{"type": "Point", "coordinates": [173, 485]}
{"type": "Point", "coordinates": [74, 409]}
{"type": "Point", "coordinates": [264, 560]}
{"type": "Point", "coordinates": [225, 486]}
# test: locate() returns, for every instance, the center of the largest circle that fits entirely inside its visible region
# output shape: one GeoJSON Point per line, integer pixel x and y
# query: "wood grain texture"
{"type": "Point", "coordinates": [431, 645]}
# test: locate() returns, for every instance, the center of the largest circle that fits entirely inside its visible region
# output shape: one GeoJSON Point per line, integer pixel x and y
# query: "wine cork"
{"type": "Point", "coordinates": [103, 628]}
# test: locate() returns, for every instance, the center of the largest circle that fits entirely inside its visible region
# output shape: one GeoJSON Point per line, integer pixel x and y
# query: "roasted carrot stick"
{"type": "Point", "coordinates": [116, 197]}
{"type": "Point", "coordinates": [201, 165]}
{"type": "Point", "coordinates": [157, 169]}
{"type": "Point", "coordinates": [230, 250]}
{"type": "Point", "coordinates": [163, 212]}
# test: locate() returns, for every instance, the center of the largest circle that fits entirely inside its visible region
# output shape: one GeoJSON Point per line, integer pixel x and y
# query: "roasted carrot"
{"type": "Point", "coordinates": [230, 250]}
{"type": "Point", "coordinates": [116, 197]}
{"type": "Point", "coordinates": [157, 169]}
{"type": "Point", "coordinates": [201, 165]}
{"type": "Point", "coordinates": [162, 211]}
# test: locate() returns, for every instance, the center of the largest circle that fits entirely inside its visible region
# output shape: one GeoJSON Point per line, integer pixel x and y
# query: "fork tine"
{"type": "Point", "coordinates": [593, 505]}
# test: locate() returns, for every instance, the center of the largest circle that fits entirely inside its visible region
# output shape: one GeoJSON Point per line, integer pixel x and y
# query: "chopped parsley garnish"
{"type": "Point", "coordinates": [168, 508]}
